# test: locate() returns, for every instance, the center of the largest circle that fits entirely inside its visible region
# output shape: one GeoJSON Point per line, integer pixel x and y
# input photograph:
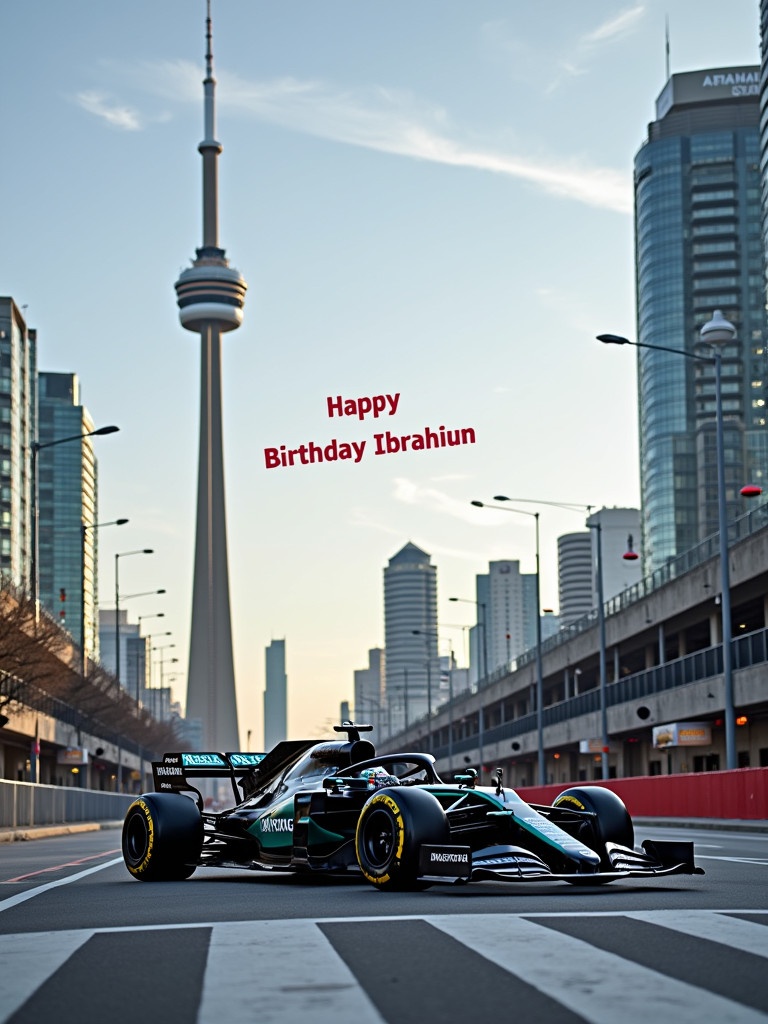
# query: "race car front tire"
{"type": "Point", "coordinates": [162, 837]}
{"type": "Point", "coordinates": [612, 823]}
{"type": "Point", "coordinates": [392, 826]}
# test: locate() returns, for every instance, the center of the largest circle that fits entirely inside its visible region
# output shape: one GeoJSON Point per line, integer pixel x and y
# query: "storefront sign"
{"type": "Point", "coordinates": [682, 734]}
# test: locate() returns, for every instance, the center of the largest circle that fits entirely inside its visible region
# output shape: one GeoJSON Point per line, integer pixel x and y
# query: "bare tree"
{"type": "Point", "coordinates": [34, 650]}
{"type": "Point", "coordinates": [38, 659]}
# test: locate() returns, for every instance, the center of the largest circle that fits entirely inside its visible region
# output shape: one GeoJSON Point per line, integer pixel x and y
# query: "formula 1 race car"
{"type": "Point", "coordinates": [338, 808]}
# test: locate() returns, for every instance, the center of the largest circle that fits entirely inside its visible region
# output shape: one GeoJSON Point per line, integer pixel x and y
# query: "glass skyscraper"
{"type": "Point", "coordinates": [275, 695]}
{"type": "Point", "coordinates": [67, 483]}
{"type": "Point", "coordinates": [698, 249]}
{"type": "Point", "coordinates": [18, 366]}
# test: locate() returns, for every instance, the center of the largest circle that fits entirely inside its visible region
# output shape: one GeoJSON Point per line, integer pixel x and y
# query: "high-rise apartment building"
{"type": "Point", "coordinates": [67, 480]}
{"type": "Point", "coordinates": [699, 249]}
{"type": "Point", "coordinates": [506, 602]}
{"type": "Point", "coordinates": [619, 531]}
{"type": "Point", "coordinates": [577, 561]}
{"type": "Point", "coordinates": [412, 670]}
{"type": "Point", "coordinates": [574, 576]}
{"type": "Point", "coordinates": [369, 703]}
{"type": "Point", "coordinates": [134, 652]}
{"type": "Point", "coordinates": [18, 415]}
{"type": "Point", "coordinates": [275, 695]}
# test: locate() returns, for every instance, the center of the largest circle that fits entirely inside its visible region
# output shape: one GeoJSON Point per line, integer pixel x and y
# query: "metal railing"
{"type": "Point", "coordinates": [748, 650]}
{"type": "Point", "coordinates": [25, 804]}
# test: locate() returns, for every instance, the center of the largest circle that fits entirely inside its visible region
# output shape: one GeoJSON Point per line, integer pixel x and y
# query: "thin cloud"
{"type": "Point", "coordinates": [115, 114]}
{"type": "Point", "coordinates": [389, 121]}
{"type": "Point", "coordinates": [433, 500]}
{"type": "Point", "coordinates": [617, 27]}
{"type": "Point", "coordinates": [588, 45]}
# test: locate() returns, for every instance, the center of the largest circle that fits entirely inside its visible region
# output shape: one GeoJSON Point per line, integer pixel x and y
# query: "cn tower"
{"type": "Point", "coordinates": [211, 295]}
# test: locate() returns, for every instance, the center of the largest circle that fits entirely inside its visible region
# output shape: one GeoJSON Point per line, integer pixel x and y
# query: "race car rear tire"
{"type": "Point", "coordinates": [612, 823]}
{"type": "Point", "coordinates": [162, 837]}
{"type": "Point", "coordinates": [391, 828]}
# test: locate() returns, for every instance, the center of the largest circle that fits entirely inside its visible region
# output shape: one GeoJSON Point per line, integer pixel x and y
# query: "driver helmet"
{"type": "Point", "coordinates": [378, 778]}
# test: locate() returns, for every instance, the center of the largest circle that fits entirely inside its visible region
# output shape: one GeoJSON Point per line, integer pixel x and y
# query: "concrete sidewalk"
{"type": "Point", "coordinates": [724, 824]}
{"type": "Point", "coordinates": [24, 832]}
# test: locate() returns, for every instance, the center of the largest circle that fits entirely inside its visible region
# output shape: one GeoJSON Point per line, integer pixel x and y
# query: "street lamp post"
{"type": "Point", "coordinates": [161, 659]}
{"type": "Point", "coordinates": [35, 448]}
{"type": "Point", "coordinates": [118, 556]}
{"type": "Point", "coordinates": [450, 700]}
{"type": "Point", "coordinates": [419, 632]}
{"type": "Point", "coordinates": [716, 332]}
{"type": "Point", "coordinates": [150, 637]}
{"type": "Point", "coordinates": [480, 715]}
{"type": "Point", "coordinates": [84, 527]}
{"type": "Point", "coordinates": [539, 668]}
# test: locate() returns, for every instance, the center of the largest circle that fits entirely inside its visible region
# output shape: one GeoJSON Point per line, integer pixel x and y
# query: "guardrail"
{"type": "Point", "coordinates": [24, 804]}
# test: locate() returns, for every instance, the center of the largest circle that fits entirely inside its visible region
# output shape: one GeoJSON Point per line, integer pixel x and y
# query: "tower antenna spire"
{"type": "Point", "coordinates": [667, 44]}
{"type": "Point", "coordinates": [208, 41]}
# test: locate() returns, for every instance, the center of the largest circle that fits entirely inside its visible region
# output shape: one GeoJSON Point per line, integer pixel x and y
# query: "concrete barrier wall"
{"type": "Point", "coordinates": [26, 803]}
{"type": "Point", "coordinates": [742, 793]}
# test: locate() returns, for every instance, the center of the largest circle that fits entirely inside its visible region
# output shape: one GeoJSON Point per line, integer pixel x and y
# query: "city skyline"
{"type": "Point", "coordinates": [440, 215]}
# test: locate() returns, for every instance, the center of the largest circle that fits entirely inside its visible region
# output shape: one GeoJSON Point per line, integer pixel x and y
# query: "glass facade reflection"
{"type": "Point", "coordinates": [698, 248]}
{"type": "Point", "coordinates": [18, 368]}
{"type": "Point", "coordinates": [67, 554]}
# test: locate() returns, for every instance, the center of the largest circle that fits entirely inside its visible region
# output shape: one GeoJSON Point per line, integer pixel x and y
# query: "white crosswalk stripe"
{"type": "Point", "coordinates": [300, 977]}
{"type": "Point", "coordinates": [28, 960]}
{"type": "Point", "coordinates": [730, 931]}
{"type": "Point", "coordinates": [594, 983]}
{"type": "Point", "coordinates": [278, 972]}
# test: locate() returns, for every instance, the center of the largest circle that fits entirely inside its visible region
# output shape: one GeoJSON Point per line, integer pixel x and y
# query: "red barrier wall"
{"type": "Point", "coordinates": [742, 793]}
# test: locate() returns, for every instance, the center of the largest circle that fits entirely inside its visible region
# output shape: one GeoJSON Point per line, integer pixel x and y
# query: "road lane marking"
{"type": "Point", "coordinates": [58, 867]}
{"type": "Point", "coordinates": [28, 894]}
{"type": "Point", "coordinates": [737, 860]}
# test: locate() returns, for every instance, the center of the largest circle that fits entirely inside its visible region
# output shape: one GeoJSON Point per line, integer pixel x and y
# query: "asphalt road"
{"type": "Point", "coordinates": [83, 942]}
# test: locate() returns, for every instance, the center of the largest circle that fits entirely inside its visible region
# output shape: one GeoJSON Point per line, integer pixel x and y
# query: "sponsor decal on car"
{"type": "Point", "coordinates": [164, 770]}
{"type": "Point", "coordinates": [245, 760]}
{"type": "Point", "coordinates": [453, 861]}
{"type": "Point", "coordinates": [268, 825]}
{"type": "Point", "coordinates": [203, 761]}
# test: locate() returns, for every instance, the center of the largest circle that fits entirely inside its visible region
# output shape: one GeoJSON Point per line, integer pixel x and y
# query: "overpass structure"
{"type": "Point", "coordinates": [664, 694]}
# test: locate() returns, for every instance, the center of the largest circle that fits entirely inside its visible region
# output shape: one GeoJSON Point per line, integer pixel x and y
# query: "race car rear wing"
{"type": "Point", "coordinates": [178, 772]}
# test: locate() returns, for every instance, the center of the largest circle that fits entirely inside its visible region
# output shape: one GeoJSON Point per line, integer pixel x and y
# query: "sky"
{"type": "Point", "coordinates": [429, 200]}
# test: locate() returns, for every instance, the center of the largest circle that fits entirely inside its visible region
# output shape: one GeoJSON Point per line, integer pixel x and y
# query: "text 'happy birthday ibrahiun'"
{"type": "Point", "coordinates": [385, 443]}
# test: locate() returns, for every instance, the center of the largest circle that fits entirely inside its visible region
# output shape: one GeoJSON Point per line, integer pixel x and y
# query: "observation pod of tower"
{"type": "Point", "coordinates": [210, 292]}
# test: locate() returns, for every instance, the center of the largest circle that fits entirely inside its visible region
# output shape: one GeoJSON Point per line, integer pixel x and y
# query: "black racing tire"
{"type": "Point", "coordinates": [612, 823]}
{"type": "Point", "coordinates": [162, 837]}
{"type": "Point", "coordinates": [391, 828]}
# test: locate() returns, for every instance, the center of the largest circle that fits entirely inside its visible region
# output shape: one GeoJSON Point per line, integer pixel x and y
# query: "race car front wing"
{"type": "Point", "coordinates": [505, 863]}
